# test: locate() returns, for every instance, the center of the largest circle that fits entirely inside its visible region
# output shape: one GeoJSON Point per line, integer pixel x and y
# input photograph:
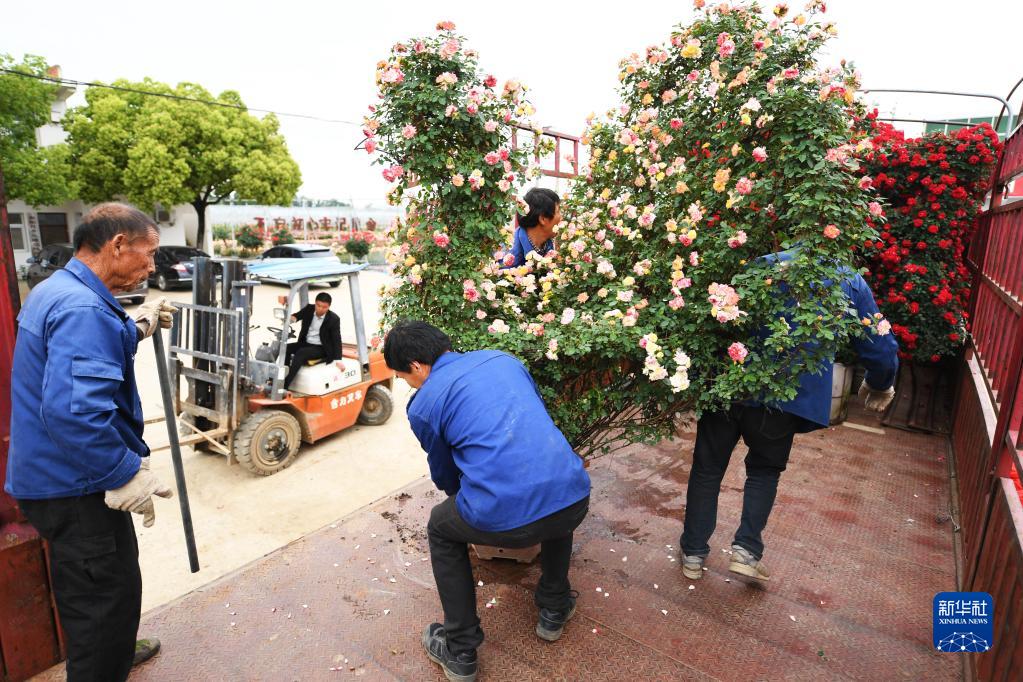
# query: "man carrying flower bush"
{"type": "Point", "coordinates": [512, 480]}
{"type": "Point", "coordinates": [768, 431]}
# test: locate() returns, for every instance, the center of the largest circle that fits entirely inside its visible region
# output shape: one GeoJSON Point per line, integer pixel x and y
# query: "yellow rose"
{"type": "Point", "coordinates": [671, 225]}
{"type": "Point", "coordinates": [648, 99]}
{"type": "Point", "coordinates": [660, 175]}
{"type": "Point", "coordinates": [681, 188]}
{"type": "Point", "coordinates": [410, 261]}
{"type": "Point", "coordinates": [613, 155]}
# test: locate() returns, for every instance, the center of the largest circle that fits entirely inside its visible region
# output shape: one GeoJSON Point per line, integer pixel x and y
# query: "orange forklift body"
{"type": "Point", "coordinates": [324, 415]}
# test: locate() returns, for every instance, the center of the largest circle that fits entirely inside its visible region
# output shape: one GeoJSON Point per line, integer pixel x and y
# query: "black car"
{"type": "Point", "coordinates": [302, 251]}
{"type": "Point", "coordinates": [54, 257]}
{"type": "Point", "coordinates": [174, 266]}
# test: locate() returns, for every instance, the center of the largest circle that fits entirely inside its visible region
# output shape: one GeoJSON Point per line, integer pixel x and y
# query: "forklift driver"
{"type": "Point", "coordinates": [320, 337]}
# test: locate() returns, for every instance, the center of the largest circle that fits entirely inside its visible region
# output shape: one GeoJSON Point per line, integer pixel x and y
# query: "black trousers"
{"type": "Point", "coordinates": [449, 536]}
{"type": "Point", "coordinates": [96, 582]}
{"type": "Point", "coordinates": [296, 355]}
{"type": "Point", "coordinates": [768, 435]}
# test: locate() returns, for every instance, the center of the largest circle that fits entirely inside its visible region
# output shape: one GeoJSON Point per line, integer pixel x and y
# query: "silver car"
{"type": "Point", "coordinates": [55, 256]}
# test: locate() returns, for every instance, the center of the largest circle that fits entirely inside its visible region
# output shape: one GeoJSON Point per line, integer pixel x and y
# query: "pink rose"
{"type": "Point", "coordinates": [490, 81]}
{"type": "Point", "coordinates": [408, 132]}
{"type": "Point", "coordinates": [392, 173]}
{"type": "Point", "coordinates": [441, 239]}
{"type": "Point", "coordinates": [509, 260]}
{"type": "Point", "coordinates": [865, 182]}
{"type": "Point", "coordinates": [492, 158]}
{"type": "Point", "coordinates": [675, 123]}
{"type": "Point", "coordinates": [875, 208]}
{"type": "Point", "coordinates": [490, 126]}
{"type": "Point", "coordinates": [831, 232]}
{"type": "Point", "coordinates": [759, 154]}
{"type": "Point", "coordinates": [737, 352]}
{"type": "Point", "coordinates": [371, 146]}
{"type": "Point", "coordinates": [743, 185]}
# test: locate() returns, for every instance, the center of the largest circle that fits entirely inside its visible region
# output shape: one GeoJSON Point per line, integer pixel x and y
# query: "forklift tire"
{"type": "Point", "coordinates": [267, 441]}
{"type": "Point", "coordinates": [377, 407]}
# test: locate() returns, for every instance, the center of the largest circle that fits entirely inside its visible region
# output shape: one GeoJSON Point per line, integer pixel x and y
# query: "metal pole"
{"type": "Point", "coordinates": [175, 448]}
{"type": "Point", "coordinates": [360, 329]}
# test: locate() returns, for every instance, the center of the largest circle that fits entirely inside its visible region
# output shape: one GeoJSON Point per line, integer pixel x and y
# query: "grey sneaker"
{"type": "Point", "coordinates": [692, 566]}
{"type": "Point", "coordinates": [744, 563]}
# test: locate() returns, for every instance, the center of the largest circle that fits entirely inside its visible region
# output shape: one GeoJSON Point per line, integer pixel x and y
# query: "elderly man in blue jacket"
{"type": "Point", "coordinates": [768, 431]}
{"type": "Point", "coordinates": [78, 466]}
{"type": "Point", "coordinates": [512, 480]}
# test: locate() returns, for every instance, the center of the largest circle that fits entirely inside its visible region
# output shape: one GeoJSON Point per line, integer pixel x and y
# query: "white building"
{"type": "Point", "coordinates": [33, 227]}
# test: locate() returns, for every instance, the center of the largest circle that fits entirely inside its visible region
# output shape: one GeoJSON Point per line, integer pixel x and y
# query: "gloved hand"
{"type": "Point", "coordinates": [148, 313]}
{"type": "Point", "coordinates": [136, 495]}
{"type": "Point", "coordinates": [877, 401]}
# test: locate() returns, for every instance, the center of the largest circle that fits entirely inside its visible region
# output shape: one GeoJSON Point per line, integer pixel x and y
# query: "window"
{"type": "Point", "coordinates": [15, 220]}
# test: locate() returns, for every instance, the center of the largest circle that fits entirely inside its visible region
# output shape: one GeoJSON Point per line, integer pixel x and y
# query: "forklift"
{"type": "Point", "coordinates": [234, 403]}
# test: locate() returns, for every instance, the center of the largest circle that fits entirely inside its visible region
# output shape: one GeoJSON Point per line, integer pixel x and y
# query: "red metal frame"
{"type": "Point", "coordinates": [29, 640]}
{"type": "Point", "coordinates": [555, 172]}
{"type": "Point", "coordinates": [986, 437]}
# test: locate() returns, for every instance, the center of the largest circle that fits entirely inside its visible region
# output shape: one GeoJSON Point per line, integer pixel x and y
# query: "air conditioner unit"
{"type": "Point", "coordinates": [162, 215]}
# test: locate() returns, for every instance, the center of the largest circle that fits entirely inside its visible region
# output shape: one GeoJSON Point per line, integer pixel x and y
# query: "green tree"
{"type": "Point", "coordinates": [37, 175]}
{"type": "Point", "coordinates": [154, 147]}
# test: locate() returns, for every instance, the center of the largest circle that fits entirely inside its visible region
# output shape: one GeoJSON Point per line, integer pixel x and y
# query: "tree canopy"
{"type": "Point", "coordinates": [38, 175]}
{"type": "Point", "coordinates": [154, 144]}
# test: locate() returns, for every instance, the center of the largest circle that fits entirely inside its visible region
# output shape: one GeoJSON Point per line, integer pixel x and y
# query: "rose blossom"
{"type": "Point", "coordinates": [737, 352]}
{"type": "Point", "coordinates": [743, 185]}
{"type": "Point", "coordinates": [371, 146]}
{"type": "Point", "coordinates": [759, 154]}
{"type": "Point", "coordinates": [831, 232]}
{"type": "Point", "coordinates": [441, 239]}
{"type": "Point", "coordinates": [408, 132]}
{"type": "Point", "coordinates": [875, 208]}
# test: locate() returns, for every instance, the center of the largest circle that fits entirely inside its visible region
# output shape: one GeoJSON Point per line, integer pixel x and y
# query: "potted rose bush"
{"type": "Point", "coordinates": [934, 186]}
{"type": "Point", "coordinates": [729, 144]}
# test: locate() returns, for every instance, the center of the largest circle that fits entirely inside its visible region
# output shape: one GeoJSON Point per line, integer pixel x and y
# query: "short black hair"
{"type": "Point", "coordinates": [325, 297]}
{"type": "Point", "coordinates": [414, 341]}
{"type": "Point", "coordinates": [542, 202]}
{"type": "Point", "coordinates": [106, 221]}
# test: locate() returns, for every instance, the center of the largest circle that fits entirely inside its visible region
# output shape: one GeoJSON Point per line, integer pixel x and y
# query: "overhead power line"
{"type": "Point", "coordinates": [183, 98]}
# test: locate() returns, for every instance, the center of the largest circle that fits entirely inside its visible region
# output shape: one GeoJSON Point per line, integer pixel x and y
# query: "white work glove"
{"type": "Point", "coordinates": [148, 313]}
{"type": "Point", "coordinates": [876, 400]}
{"type": "Point", "coordinates": [136, 496]}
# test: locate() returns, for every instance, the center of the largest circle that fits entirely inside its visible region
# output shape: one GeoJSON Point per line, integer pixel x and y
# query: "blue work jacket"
{"type": "Point", "coordinates": [490, 442]}
{"type": "Point", "coordinates": [76, 418]}
{"type": "Point", "coordinates": [521, 246]}
{"type": "Point", "coordinates": [879, 355]}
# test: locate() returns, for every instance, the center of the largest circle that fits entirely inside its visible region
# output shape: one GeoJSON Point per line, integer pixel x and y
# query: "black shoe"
{"type": "Point", "coordinates": [460, 668]}
{"type": "Point", "coordinates": [552, 623]}
{"type": "Point", "coordinates": [145, 649]}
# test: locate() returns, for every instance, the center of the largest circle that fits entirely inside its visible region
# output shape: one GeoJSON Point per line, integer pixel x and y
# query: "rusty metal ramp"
{"type": "Point", "coordinates": [858, 545]}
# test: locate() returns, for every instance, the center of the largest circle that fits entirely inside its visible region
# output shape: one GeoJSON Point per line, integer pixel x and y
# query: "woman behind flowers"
{"type": "Point", "coordinates": [535, 230]}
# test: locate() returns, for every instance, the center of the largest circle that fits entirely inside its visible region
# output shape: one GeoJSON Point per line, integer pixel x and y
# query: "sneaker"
{"type": "Point", "coordinates": [460, 668]}
{"type": "Point", "coordinates": [692, 566]}
{"type": "Point", "coordinates": [145, 649]}
{"type": "Point", "coordinates": [744, 563]}
{"type": "Point", "coordinates": [552, 623]}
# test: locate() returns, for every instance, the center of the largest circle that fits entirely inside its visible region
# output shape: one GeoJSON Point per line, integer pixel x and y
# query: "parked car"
{"type": "Point", "coordinates": [301, 251]}
{"type": "Point", "coordinates": [174, 266]}
{"type": "Point", "coordinates": [55, 256]}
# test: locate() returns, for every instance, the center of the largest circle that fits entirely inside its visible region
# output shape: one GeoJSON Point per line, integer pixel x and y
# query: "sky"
{"type": "Point", "coordinates": [318, 58]}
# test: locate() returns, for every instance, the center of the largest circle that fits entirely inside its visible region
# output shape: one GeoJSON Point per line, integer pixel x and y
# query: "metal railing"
{"type": "Point", "coordinates": [988, 420]}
